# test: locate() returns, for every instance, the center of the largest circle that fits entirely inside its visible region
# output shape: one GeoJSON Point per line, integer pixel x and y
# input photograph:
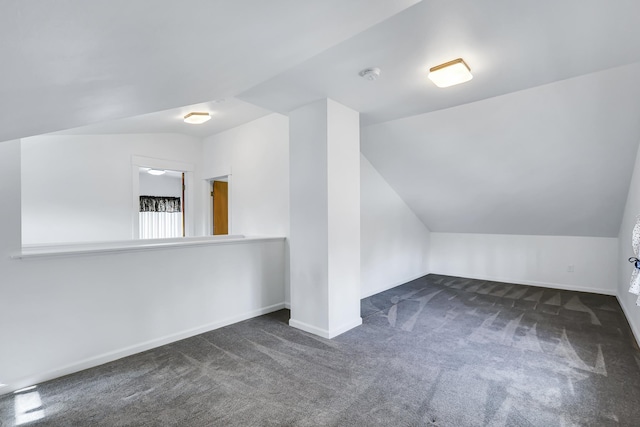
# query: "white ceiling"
{"type": "Point", "coordinates": [509, 45]}
{"type": "Point", "coordinates": [225, 114]}
{"type": "Point", "coordinates": [551, 160]}
{"type": "Point", "coordinates": [541, 141]}
{"type": "Point", "coordinates": [510, 151]}
{"type": "Point", "coordinates": [74, 63]}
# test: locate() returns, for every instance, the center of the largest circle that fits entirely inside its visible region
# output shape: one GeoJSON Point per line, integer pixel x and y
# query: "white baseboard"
{"type": "Point", "coordinates": [346, 327]}
{"type": "Point", "coordinates": [634, 329]}
{"type": "Point", "coordinates": [325, 333]}
{"type": "Point", "coordinates": [128, 351]}
{"type": "Point", "coordinates": [551, 285]}
{"type": "Point", "coordinates": [393, 285]}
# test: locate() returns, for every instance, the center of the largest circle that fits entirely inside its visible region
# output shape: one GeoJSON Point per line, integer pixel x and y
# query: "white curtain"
{"type": "Point", "coordinates": [159, 225]}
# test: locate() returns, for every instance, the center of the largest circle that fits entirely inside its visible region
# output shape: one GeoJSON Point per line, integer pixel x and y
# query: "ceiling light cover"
{"type": "Point", "coordinates": [197, 118]}
{"type": "Point", "coordinates": [156, 172]}
{"type": "Point", "coordinates": [450, 73]}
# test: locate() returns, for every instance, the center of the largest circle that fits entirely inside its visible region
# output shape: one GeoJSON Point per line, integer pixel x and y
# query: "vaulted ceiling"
{"type": "Point", "coordinates": [75, 62]}
{"type": "Point", "coordinates": [551, 160]}
{"type": "Point", "coordinates": [541, 141]}
{"type": "Point", "coordinates": [509, 45]}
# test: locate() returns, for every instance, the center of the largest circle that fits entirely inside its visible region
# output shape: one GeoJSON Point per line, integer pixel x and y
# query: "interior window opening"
{"type": "Point", "coordinates": [162, 203]}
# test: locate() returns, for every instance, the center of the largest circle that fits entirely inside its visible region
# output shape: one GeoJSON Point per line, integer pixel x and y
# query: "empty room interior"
{"type": "Point", "coordinates": [320, 213]}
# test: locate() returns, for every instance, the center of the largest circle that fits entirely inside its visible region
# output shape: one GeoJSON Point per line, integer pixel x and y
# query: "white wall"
{"type": "Point", "coordinates": [531, 260]}
{"type": "Point", "coordinates": [343, 213]}
{"type": "Point", "coordinates": [257, 157]}
{"type": "Point", "coordinates": [394, 242]}
{"type": "Point", "coordinates": [11, 314]}
{"type": "Point", "coordinates": [632, 209]}
{"type": "Point", "coordinates": [68, 313]}
{"type": "Point", "coordinates": [65, 313]}
{"type": "Point", "coordinates": [78, 188]}
{"type": "Point", "coordinates": [325, 218]}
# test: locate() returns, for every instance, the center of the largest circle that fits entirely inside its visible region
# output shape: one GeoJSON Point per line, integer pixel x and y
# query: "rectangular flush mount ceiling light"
{"type": "Point", "coordinates": [197, 118]}
{"type": "Point", "coordinates": [450, 73]}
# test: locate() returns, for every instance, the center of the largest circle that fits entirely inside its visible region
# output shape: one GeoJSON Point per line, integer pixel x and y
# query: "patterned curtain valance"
{"type": "Point", "coordinates": [159, 204]}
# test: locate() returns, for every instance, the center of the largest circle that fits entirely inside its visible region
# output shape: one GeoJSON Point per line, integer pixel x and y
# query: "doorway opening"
{"type": "Point", "coordinates": [220, 205]}
{"type": "Point", "coordinates": [162, 207]}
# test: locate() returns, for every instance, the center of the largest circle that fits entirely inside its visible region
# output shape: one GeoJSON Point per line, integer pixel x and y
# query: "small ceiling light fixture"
{"type": "Point", "coordinates": [450, 73]}
{"type": "Point", "coordinates": [370, 73]}
{"type": "Point", "coordinates": [197, 118]}
{"type": "Point", "coordinates": [156, 172]}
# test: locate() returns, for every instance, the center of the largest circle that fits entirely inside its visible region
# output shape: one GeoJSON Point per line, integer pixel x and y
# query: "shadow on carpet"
{"type": "Point", "coordinates": [437, 351]}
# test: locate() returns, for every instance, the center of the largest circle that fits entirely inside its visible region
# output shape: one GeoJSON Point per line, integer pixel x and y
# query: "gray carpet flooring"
{"type": "Point", "coordinates": [438, 351]}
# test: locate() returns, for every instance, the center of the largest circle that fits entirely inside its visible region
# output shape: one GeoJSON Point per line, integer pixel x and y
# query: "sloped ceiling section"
{"type": "Point", "coordinates": [509, 45]}
{"type": "Point", "coordinates": [75, 62]}
{"type": "Point", "coordinates": [552, 160]}
{"type": "Point", "coordinates": [225, 113]}
{"type": "Point", "coordinates": [541, 141]}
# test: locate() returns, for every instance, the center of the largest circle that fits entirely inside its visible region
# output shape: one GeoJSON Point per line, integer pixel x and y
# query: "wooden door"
{"type": "Point", "coordinates": [220, 195]}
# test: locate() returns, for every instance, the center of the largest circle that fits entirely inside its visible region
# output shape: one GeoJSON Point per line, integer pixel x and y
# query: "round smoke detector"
{"type": "Point", "coordinates": [370, 73]}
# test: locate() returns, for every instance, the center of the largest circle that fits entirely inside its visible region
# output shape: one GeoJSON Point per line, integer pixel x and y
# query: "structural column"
{"type": "Point", "coordinates": [12, 309]}
{"type": "Point", "coordinates": [324, 167]}
{"type": "Point", "coordinates": [10, 191]}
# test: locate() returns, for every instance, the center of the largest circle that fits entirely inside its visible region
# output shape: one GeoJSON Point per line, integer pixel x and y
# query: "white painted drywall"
{"type": "Point", "coordinates": [10, 243]}
{"type": "Point", "coordinates": [66, 313]}
{"type": "Point", "coordinates": [10, 220]}
{"type": "Point", "coordinates": [632, 210]}
{"type": "Point", "coordinates": [256, 155]}
{"type": "Point", "coordinates": [109, 64]}
{"type": "Point", "coordinates": [553, 160]}
{"type": "Point", "coordinates": [343, 203]}
{"type": "Point", "coordinates": [531, 260]}
{"type": "Point", "coordinates": [325, 218]}
{"type": "Point", "coordinates": [78, 188]}
{"type": "Point", "coordinates": [394, 242]}
{"type": "Point", "coordinates": [309, 246]}
{"type": "Point", "coordinates": [160, 185]}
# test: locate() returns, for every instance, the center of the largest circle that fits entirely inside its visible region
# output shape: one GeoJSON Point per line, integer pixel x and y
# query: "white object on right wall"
{"type": "Point", "coordinates": [634, 288]}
